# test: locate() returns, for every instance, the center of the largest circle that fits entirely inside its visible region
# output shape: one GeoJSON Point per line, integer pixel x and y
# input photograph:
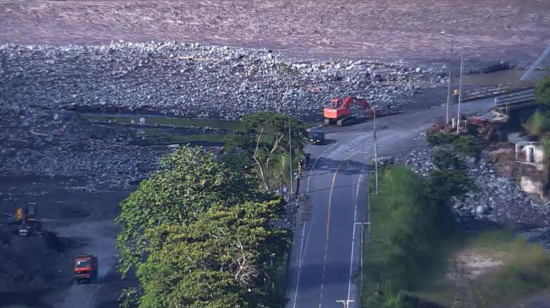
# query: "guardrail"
{"type": "Point", "coordinates": [514, 98]}
{"type": "Point", "coordinates": [517, 86]}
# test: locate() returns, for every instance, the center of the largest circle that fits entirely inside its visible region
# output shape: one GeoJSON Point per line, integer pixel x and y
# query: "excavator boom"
{"type": "Point", "coordinates": [339, 113]}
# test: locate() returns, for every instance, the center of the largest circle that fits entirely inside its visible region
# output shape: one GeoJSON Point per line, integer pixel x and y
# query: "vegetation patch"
{"type": "Point", "coordinates": [491, 268]}
{"type": "Point", "coordinates": [417, 252]}
{"type": "Point", "coordinates": [465, 145]}
{"type": "Point", "coordinates": [539, 123]}
{"type": "Point", "coordinates": [542, 91]}
{"type": "Point", "coordinates": [264, 140]}
{"type": "Point", "coordinates": [407, 238]}
{"type": "Point", "coordinates": [200, 233]}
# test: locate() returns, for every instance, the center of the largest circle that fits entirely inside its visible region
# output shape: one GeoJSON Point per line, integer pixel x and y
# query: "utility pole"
{"type": "Point", "coordinates": [450, 85]}
{"type": "Point", "coordinates": [290, 154]}
{"type": "Point", "coordinates": [460, 89]}
{"type": "Point", "coordinates": [375, 151]}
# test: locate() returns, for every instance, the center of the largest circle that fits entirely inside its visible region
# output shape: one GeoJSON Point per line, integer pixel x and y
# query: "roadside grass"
{"type": "Point", "coordinates": [416, 251]}
{"type": "Point", "coordinates": [280, 278]}
{"type": "Point", "coordinates": [490, 268]}
{"type": "Point", "coordinates": [406, 244]}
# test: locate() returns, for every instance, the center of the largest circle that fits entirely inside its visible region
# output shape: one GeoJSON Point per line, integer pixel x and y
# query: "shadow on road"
{"type": "Point", "coordinates": [327, 165]}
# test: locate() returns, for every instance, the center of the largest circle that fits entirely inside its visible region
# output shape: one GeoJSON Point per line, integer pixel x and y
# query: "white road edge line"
{"type": "Point", "coordinates": [299, 265]}
{"type": "Point", "coordinates": [304, 229]}
{"type": "Point", "coordinates": [353, 235]}
{"type": "Point", "coordinates": [355, 216]}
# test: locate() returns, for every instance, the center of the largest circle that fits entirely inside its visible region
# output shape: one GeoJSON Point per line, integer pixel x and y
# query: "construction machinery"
{"type": "Point", "coordinates": [26, 216]}
{"type": "Point", "coordinates": [339, 112]}
{"type": "Point", "coordinates": [85, 268]}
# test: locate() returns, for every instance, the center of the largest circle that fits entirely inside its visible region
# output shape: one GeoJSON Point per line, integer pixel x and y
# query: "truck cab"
{"type": "Point", "coordinates": [85, 268]}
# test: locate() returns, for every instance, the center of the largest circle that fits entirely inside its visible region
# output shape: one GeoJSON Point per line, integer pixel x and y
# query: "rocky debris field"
{"type": "Point", "coordinates": [194, 81]}
{"type": "Point", "coordinates": [62, 144]}
{"type": "Point", "coordinates": [494, 199]}
{"type": "Point", "coordinates": [394, 29]}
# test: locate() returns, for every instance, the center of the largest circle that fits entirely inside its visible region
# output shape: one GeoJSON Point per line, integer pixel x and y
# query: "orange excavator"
{"type": "Point", "coordinates": [339, 112]}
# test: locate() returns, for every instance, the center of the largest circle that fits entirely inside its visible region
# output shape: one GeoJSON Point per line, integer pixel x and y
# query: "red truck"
{"type": "Point", "coordinates": [85, 268]}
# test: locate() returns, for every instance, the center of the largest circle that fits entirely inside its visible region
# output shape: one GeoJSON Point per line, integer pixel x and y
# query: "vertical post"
{"type": "Point", "coordinates": [375, 152]}
{"type": "Point", "coordinates": [450, 86]}
{"type": "Point", "coordinates": [460, 88]}
{"type": "Point", "coordinates": [290, 154]}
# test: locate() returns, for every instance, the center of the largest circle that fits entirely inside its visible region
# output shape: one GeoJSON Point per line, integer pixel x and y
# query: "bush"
{"type": "Point", "coordinates": [539, 123]}
{"type": "Point", "coordinates": [440, 138]}
{"type": "Point", "coordinates": [447, 160]}
{"type": "Point", "coordinates": [542, 91]}
{"type": "Point", "coordinates": [466, 145]}
{"type": "Point", "coordinates": [406, 238]}
{"type": "Point", "coordinates": [444, 184]}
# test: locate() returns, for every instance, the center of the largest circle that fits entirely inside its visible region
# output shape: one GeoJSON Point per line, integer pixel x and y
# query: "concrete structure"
{"type": "Point", "coordinates": [530, 158]}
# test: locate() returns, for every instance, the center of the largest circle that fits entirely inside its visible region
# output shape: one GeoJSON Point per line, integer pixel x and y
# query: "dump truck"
{"type": "Point", "coordinates": [85, 268]}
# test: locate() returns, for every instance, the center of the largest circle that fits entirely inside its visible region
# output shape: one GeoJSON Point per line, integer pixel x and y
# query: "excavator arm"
{"type": "Point", "coordinates": [351, 100]}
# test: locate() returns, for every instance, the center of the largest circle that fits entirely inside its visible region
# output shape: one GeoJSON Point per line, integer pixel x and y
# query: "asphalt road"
{"type": "Point", "coordinates": [326, 252]}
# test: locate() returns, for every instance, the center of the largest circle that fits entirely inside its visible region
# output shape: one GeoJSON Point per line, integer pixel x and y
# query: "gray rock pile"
{"type": "Point", "coordinates": [498, 199]}
{"type": "Point", "coordinates": [195, 81]}
{"type": "Point", "coordinates": [494, 198]}
{"type": "Point", "coordinates": [63, 144]}
{"type": "Point", "coordinates": [540, 236]}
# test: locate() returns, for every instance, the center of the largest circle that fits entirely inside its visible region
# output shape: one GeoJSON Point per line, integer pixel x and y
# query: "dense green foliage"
{"type": "Point", "coordinates": [406, 237]}
{"type": "Point", "coordinates": [264, 140]}
{"type": "Point", "coordinates": [192, 229]}
{"type": "Point", "coordinates": [227, 258]}
{"type": "Point", "coordinates": [542, 91]}
{"type": "Point", "coordinates": [190, 181]}
{"type": "Point", "coordinates": [448, 161]}
{"type": "Point", "coordinates": [465, 145]}
{"type": "Point", "coordinates": [539, 123]}
{"type": "Point", "coordinates": [440, 138]}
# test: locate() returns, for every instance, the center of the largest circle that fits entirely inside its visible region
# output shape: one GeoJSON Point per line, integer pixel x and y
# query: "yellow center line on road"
{"type": "Point", "coordinates": [328, 220]}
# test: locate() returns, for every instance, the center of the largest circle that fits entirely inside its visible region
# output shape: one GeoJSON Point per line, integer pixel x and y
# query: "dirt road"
{"type": "Point", "coordinates": [512, 29]}
{"type": "Point", "coordinates": [98, 238]}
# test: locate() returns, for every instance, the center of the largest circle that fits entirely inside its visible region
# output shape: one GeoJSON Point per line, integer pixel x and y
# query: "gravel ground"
{"type": "Point", "coordinates": [311, 28]}
{"type": "Point", "coordinates": [495, 199]}
{"type": "Point", "coordinates": [194, 81]}
{"type": "Point", "coordinates": [51, 144]}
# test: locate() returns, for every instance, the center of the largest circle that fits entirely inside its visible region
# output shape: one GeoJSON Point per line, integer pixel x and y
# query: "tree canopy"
{"type": "Point", "coordinates": [225, 259]}
{"type": "Point", "coordinates": [542, 91]}
{"type": "Point", "coordinates": [198, 233]}
{"type": "Point", "coordinates": [264, 138]}
{"type": "Point", "coordinates": [190, 181]}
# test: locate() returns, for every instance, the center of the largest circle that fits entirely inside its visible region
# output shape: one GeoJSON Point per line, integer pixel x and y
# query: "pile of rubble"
{"type": "Point", "coordinates": [31, 263]}
{"type": "Point", "coordinates": [494, 198]}
{"type": "Point", "coordinates": [498, 199]}
{"type": "Point", "coordinates": [194, 81]}
{"type": "Point", "coordinates": [63, 144]}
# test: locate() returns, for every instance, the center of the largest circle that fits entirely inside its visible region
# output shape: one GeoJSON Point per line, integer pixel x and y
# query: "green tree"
{"type": "Point", "coordinates": [264, 139]}
{"type": "Point", "coordinates": [190, 181]}
{"type": "Point", "coordinates": [542, 91]}
{"type": "Point", "coordinates": [226, 258]}
{"type": "Point", "coordinates": [444, 184]}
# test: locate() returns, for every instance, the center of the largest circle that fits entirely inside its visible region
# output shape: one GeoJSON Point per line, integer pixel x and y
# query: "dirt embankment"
{"type": "Point", "coordinates": [314, 28]}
